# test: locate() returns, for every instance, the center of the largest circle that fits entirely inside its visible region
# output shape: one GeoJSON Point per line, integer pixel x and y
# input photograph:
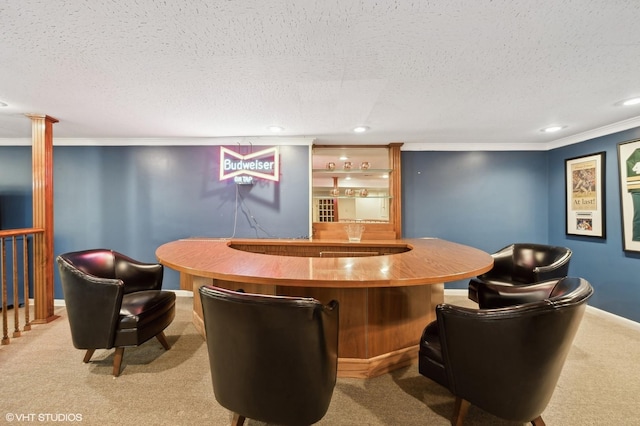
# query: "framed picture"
{"type": "Point", "coordinates": [585, 209]}
{"type": "Point", "coordinates": [629, 170]}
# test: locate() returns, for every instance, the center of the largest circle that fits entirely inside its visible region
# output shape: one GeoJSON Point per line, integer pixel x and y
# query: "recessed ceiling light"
{"type": "Point", "coordinates": [276, 129]}
{"type": "Point", "coordinates": [552, 129]}
{"type": "Point", "coordinates": [360, 129]}
{"type": "Point", "coordinates": [633, 101]}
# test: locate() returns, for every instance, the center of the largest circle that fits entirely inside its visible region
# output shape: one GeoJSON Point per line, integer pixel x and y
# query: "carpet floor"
{"type": "Point", "coordinates": [44, 381]}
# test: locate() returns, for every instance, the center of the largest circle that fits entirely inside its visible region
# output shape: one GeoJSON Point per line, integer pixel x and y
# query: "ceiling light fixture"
{"type": "Point", "coordinates": [276, 129]}
{"type": "Point", "coordinates": [552, 129]}
{"type": "Point", "coordinates": [633, 101]}
{"type": "Point", "coordinates": [360, 129]}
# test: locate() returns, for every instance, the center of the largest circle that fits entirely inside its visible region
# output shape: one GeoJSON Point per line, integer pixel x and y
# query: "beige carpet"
{"type": "Point", "coordinates": [44, 381]}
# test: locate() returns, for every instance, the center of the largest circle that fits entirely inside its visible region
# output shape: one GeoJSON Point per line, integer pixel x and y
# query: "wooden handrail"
{"type": "Point", "coordinates": [5, 233]}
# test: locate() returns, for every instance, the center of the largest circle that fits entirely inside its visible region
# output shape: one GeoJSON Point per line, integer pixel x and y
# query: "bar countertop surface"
{"type": "Point", "coordinates": [425, 261]}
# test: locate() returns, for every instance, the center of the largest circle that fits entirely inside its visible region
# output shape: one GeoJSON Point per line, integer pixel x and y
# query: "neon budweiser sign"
{"type": "Point", "coordinates": [242, 168]}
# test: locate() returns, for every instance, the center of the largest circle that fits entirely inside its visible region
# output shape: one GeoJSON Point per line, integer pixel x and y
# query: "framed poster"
{"type": "Point", "coordinates": [629, 170]}
{"type": "Point", "coordinates": [585, 209]}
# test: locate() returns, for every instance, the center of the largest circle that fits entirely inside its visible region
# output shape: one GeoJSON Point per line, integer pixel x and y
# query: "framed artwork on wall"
{"type": "Point", "coordinates": [629, 172]}
{"type": "Point", "coordinates": [585, 208]}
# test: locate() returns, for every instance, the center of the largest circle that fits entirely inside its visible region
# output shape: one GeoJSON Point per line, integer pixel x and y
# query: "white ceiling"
{"type": "Point", "coordinates": [420, 72]}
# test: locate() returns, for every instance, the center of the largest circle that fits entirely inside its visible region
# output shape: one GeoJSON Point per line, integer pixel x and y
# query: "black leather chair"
{"type": "Point", "coordinates": [523, 264]}
{"type": "Point", "coordinates": [114, 301]}
{"type": "Point", "coordinates": [505, 361]}
{"type": "Point", "coordinates": [273, 358]}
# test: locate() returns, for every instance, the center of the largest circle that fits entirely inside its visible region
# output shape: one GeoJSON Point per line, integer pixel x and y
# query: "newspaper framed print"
{"type": "Point", "coordinates": [585, 209]}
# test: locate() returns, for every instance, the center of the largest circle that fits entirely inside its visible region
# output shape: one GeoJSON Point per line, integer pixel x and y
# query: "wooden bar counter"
{"type": "Point", "coordinates": [387, 290]}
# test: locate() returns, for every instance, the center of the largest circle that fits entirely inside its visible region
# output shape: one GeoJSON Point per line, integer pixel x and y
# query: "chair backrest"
{"type": "Point", "coordinates": [507, 361]}
{"type": "Point", "coordinates": [536, 262]}
{"type": "Point", "coordinates": [92, 304]}
{"type": "Point", "coordinates": [97, 262]}
{"type": "Point", "coordinates": [106, 263]}
{"type": "Point", "coordinates": [272, 358]}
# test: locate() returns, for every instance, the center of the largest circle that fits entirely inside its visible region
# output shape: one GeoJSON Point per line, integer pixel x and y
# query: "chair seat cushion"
{"type": "Point", "coordinates": [500, 296]}
{"type": "Point", "coordinates": [474, 283]}
{"type": "Point", "coordinates": [143, 307]}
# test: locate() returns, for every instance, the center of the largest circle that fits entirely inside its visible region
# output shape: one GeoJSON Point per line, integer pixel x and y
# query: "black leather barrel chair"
{"type": "Point", "coordinates": [505, 361]}
{"type": "Point", "coordinates": [273, 358]}
{"type": "Point", "coordinates": [114, 301]}
{"type": "Point", "coordinates": [523, 264]}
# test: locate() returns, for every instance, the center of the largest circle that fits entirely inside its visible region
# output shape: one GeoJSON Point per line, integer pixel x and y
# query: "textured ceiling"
{"type": "Point", "coordinates": [445, 72]}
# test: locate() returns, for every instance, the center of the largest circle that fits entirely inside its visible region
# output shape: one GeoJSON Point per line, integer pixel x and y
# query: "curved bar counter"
{"type": "Point", "coordinates": [387, 290]}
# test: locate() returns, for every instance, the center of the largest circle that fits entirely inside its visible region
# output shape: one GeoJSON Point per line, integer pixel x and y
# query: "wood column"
{"type": "Point", "coordinates": [42, 178]}
{"type": "Point", "coordinates": [395, 190]}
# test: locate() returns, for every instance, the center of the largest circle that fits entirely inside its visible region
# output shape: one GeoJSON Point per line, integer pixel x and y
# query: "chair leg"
{"type": "Point", "coordinates": [117, 361]}
{"type": "Point", "coordinates": [163, 340]}
{"type": "Point", "coordinates": [237, 420]}
{"type": "Point", "coordinates": [460, 410]}
{"type": "Point", "coordinates": [88, 355]}
{"type": "Point", "coordinates": [538, 421]}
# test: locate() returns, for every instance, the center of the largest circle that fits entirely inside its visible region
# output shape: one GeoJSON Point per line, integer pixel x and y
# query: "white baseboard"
{"type": "Point", "coordinates": [456, 292]}
{"type": "Point", "coordinates": [620, 320]}
{"type": "Point", "coordinates": [595, 311]}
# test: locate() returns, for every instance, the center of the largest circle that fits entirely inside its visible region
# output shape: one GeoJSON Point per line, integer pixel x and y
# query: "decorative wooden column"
{"type": "Point", "coordinates": [395, 189]}
{"type": "Point", "coordinates": [42, 178]}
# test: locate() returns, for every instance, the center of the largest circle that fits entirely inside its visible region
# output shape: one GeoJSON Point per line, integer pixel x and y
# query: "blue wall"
{"type": "Point", "coordinates": [612, 271]}
{"type": "Point", "coordinates": [483, 199]}
{"type": "Point", "coordinates": [15, 187]}
{"type": "Point", "coordinates": [15, 208]}
{"type": "Point", "coordinates": [133, 199]}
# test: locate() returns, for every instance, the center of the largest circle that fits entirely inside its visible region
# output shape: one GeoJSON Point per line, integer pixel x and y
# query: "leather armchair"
{"type": "Point", "coordinates": [505, 361]}
{"type": "Point", "coordinates": [272, 358]}
{"type": "Point", "coordinates": [114, 301]}
{"type": "Point", "coordinates": [523, 264]}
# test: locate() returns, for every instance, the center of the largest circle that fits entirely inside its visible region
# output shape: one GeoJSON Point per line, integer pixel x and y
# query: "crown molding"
{"type": "Point", "coordinates": [595, 133]}
{"type": "Point", "coordinates": [476, 146]}
{"type": "Point", "coordinates": [308, 141]}
{"type": "Point", "coordinates": [282, 140]}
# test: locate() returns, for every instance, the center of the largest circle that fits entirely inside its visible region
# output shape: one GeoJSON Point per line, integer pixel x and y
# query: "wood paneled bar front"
{"type": "Point", "coordinates": [387, 290]}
